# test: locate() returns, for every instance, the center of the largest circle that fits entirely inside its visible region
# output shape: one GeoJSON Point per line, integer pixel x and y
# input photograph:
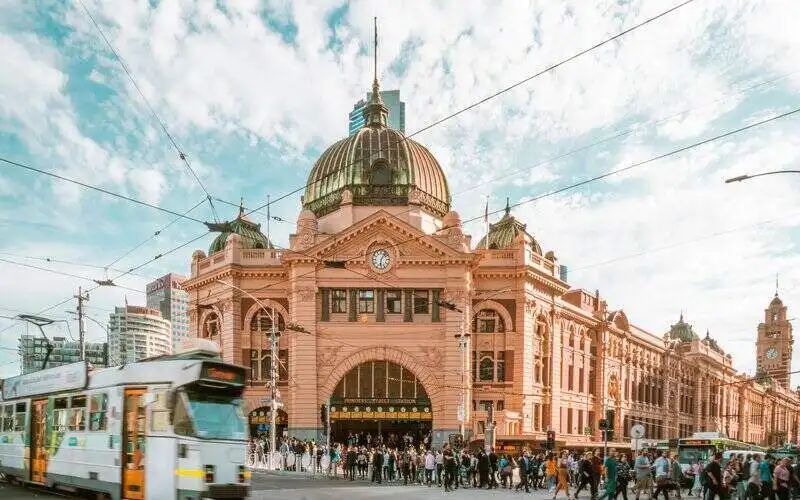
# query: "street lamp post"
{"type": "Point", "coordinates": [273, 345]}
{"type": "Point", "coordinates": [740, 178]}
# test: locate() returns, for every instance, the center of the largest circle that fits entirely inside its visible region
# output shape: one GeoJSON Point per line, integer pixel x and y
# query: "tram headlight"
{"type": "Point", "coordinates": [242, 474]}
{"type": "Point", "coordinates": [209, 473]}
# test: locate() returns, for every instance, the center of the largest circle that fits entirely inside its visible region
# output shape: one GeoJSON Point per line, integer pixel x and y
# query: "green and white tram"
{"type": "Point", "coordinates": [167, 428]}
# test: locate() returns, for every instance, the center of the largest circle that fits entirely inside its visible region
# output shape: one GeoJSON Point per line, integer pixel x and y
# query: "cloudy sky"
{"type": "Point", "coordinates": [254, 91]}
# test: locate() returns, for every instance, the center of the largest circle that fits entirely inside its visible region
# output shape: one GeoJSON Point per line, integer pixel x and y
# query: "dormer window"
{"type": "Point", "coordinates": [381, 174]}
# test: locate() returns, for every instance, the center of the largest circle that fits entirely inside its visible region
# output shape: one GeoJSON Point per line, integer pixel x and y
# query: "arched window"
{"type": "Point", "coordinates": [488, 321]}
{"type": "Point", "coordinates": [260, 353]}
{"type": "Point", "coordinates": [262, 321]}
{"type": "Point", "coordinates": [211, 328]}
{"type": "Point", "coordinates": [486, 369]}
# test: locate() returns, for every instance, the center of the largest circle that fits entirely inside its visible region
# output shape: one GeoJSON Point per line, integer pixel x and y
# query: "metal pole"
{"type": "Point", "coordinates": [328, 434]}
{"type": "Point", "coordinates": [273, 383]}
{"type": "Point", "coordinates": [81, 323]}
{"type": "Point", "coordinates": [605, 431]}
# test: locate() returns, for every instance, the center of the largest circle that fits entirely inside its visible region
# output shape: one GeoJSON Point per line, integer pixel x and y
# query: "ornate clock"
{"type": "Point", "coordinates": [381, 259]}
{"type": "Point", "coordinates": [772, 353]}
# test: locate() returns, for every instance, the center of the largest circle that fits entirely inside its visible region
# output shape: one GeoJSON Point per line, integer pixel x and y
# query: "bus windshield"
{"type": "Point", "coordinates": [216, 417]}
{"type": "Point", "coordinates": [691, 454]}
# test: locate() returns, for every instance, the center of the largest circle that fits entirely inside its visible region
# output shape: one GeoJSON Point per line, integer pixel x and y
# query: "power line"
{"type": "Point", "coordinates": [68, 262]}
{"type": "Point", "coordinates": [98, 189]}
{"type": "Point", "coordinates": [490, 97]}
{"type": "Point", "coordinates": [70, 275]}
{"type": "Point", "coordinates": [156, 234]}
{"type": "Point", "coordinates": [172, 140]}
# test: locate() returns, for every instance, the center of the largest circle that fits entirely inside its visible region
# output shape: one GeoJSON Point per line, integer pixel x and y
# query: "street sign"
{"type": "Point", "coordinates": [461, 413]}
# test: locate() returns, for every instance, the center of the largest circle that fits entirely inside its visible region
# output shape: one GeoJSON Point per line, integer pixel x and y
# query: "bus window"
{"type": "Point", "coordinates": [7, 418]}
{"type": "Point", "coordinates": [19, 417]}
{"type": "Point", "coordinates": [97, 412]}
{"type": "Point", "coordinates": [77, 420]}
{"type": "Point", "coordinates": [60, 414]}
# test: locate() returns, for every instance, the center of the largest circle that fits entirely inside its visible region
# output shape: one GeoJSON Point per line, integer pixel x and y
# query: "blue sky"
{"type": "Point", "coordinates": [254, 91]}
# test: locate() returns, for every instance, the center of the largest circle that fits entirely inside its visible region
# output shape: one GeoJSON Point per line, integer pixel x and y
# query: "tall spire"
{"type": "Point", "coordinates": [508, 207]}
{"type": "Point", "coordinates": [776, 284]}
{"type": "Point", "coordinates": [241, 207]}
{"type": "Point", "coordinates": [376, 114]}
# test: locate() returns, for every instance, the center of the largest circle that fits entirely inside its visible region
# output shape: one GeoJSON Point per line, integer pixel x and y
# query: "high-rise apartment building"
{"type": "Point", "coordinates": [166, 295]}
{"type": "Point", "coordinates": [33, 350]}
{"type": "Point", "coordinates": [136, 333]}
{"type": "Point", "coordinates": [391, 99]}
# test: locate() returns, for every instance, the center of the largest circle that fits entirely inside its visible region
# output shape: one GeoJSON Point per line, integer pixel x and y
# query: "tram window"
{"type": "Point", "coordinates": [77, 419]}
{"type": "Point", "coordinates": [7, 418]}
{"type": "Point", "coordinates": [19, 417]}
{"type": "Point", "coordinates": [159, 421]}
{"type": "Point", "coordinates": [97, 412]}
{"type": "Point", "coordinates": [181, 422]}
{"type": "Point", "coordinates": [60, 414]}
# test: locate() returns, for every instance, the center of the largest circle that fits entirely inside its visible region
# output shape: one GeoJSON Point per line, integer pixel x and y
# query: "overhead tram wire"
{"type": "Point", "coordinates": [619, 133]}
{"type": "Point", "coordinates": [69, 275]}
{"type": "Point", "coordinates": [158, 119]}
{"type": "Point", "coordinates": [602, 176]}
{"type": "Point", "coordinates": [488, 98]}
{"type": "Point", "coordinates": [155, 234]}
{"type": "Point", "coordinates": [66, 262]}
{"type": "Point", "coordinates": [99, 189]}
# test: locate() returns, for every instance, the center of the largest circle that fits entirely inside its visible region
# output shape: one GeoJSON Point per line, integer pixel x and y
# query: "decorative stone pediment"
{"type": "Point", "coordinates": [406, 241]}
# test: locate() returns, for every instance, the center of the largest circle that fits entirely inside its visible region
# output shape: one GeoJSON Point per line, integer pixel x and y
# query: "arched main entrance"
{"type": "Point", "coordinates": [380, 400]}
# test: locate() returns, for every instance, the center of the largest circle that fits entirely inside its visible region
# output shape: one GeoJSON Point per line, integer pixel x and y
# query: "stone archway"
{"type": "Point", "coordinates": [403, 358]}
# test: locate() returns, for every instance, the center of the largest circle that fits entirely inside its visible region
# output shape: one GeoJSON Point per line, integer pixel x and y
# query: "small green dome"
{"type": "Point", "coordinates": [249, 231]}
{"type": "Point", "coordinates": [682, 331]}
{"type": "Point", "coordinates": [503, 233]}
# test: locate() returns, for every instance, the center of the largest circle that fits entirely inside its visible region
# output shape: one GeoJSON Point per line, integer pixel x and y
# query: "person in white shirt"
{"type": "Point", "coordinates": [430, 466]}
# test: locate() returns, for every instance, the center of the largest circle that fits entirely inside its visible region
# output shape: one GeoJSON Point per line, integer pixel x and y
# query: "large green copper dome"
{"type": "Point", "coordinates": [682, 331]}
{"type": "Point", "coordinates": [378, 166]}
{"type": "Point", "coordinates": [249, 231]}
{"type": "Point", "coordinates": [503, 233]}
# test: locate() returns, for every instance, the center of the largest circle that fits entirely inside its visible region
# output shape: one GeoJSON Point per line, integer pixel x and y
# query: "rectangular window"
{"type": "Point", "coordinates": [98, 405]}
{"type": "Point", "coordinates": [366, 301]}
{"type": "Point", "coordinates": [19, 417]}
{"type": "Point", "coordinates": [486, 325]}
{"type": "Point", "coordinates": [570, 429]}
{"type": "Point", "coordinates": [7, 418]}
{"type": "Point", "coordinates": [393, 301]}
{"type": "Point", "coordinates": [580, 379]}
{"type": "Point", "coordinates": [421, 302]}
{"type": "Point", "coordinates": [500, 361]}
{"type": "Point", "coordinates": [60, 414]}
{"type": "Point", "coordinates": [339, 301]}
{"type": "Point", "coordinates": [77, 419]}
{"type": "Point", "coordinates": [484, 405]}
{"type": "Point", "coordinates": [501, 405]}
{"type": "Point", "coordinates": [570, 378]}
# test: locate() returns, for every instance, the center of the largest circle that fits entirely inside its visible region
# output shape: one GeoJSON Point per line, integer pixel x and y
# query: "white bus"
{"type": "Point", "coordinates": [170, 427]}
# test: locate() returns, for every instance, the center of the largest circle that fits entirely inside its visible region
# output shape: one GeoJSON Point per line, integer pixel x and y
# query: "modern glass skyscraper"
{"type": "Point", "coordinates": [391, 99]}
{"type": "Point", "coordinates": [166, 295]}
{"type": "Point", "coordinates": [33, 350]}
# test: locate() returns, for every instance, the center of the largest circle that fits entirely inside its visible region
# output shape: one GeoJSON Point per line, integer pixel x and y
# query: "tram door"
{"type": "Point", "coordinates": [38, 448]}
{"type": "Point", "coordinates": [133, 450]}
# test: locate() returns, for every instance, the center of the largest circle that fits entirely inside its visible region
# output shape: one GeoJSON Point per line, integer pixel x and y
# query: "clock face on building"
{"type": "Point", "coordinates": [381, 259]}
{"type": "Point", "coordinates": [772, 353]}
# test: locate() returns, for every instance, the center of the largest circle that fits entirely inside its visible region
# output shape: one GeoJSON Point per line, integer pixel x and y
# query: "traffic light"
{"type": "Point", "coordinates": [610, 418]}
{"type": "Point", "coordinates": [602, 424]}
{"type": "Point", "coordinates": [323, 414]}
{"type": "Point", "coordinates": [551, 440]}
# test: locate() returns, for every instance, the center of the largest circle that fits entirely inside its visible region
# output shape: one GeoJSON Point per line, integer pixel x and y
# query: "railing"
{"type": "Point", "coordinates": [248, 257]}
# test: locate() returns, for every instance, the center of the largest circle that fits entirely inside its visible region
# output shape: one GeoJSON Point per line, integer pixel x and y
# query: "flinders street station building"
{"type": "Point", "coordinates": [409, 325]}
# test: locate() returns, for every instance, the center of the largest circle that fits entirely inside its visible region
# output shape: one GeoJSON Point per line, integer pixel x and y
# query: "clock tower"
{"type": "Point", "coordinates": [774, 344]}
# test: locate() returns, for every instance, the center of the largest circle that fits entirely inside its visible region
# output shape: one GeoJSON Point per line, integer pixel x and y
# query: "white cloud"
{"type": "Point", "coordinates": [245, 99]}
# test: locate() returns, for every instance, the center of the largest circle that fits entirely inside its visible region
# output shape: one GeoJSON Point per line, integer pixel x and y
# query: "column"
{"type": "Point", "coordinates": [302, 401]}
{"type": "Point", "coordinates": [555, 371]}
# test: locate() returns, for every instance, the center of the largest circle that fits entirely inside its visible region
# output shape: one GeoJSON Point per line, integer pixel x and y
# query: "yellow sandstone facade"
{"type": "Point", "coordinates": [383, 280]}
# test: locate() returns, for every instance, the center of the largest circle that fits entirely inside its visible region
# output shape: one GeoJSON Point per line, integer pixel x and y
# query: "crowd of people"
{"type": "Point", "coordinates": [647, 475]}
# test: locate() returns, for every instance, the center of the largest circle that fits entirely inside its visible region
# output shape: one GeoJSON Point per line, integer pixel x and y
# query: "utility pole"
{"type": "Point", "coordinates": [82, 297]}
{"type": "Point", "coordinates": [463, 339]}
{"type": "Point", "coordinates": [273, 346]}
